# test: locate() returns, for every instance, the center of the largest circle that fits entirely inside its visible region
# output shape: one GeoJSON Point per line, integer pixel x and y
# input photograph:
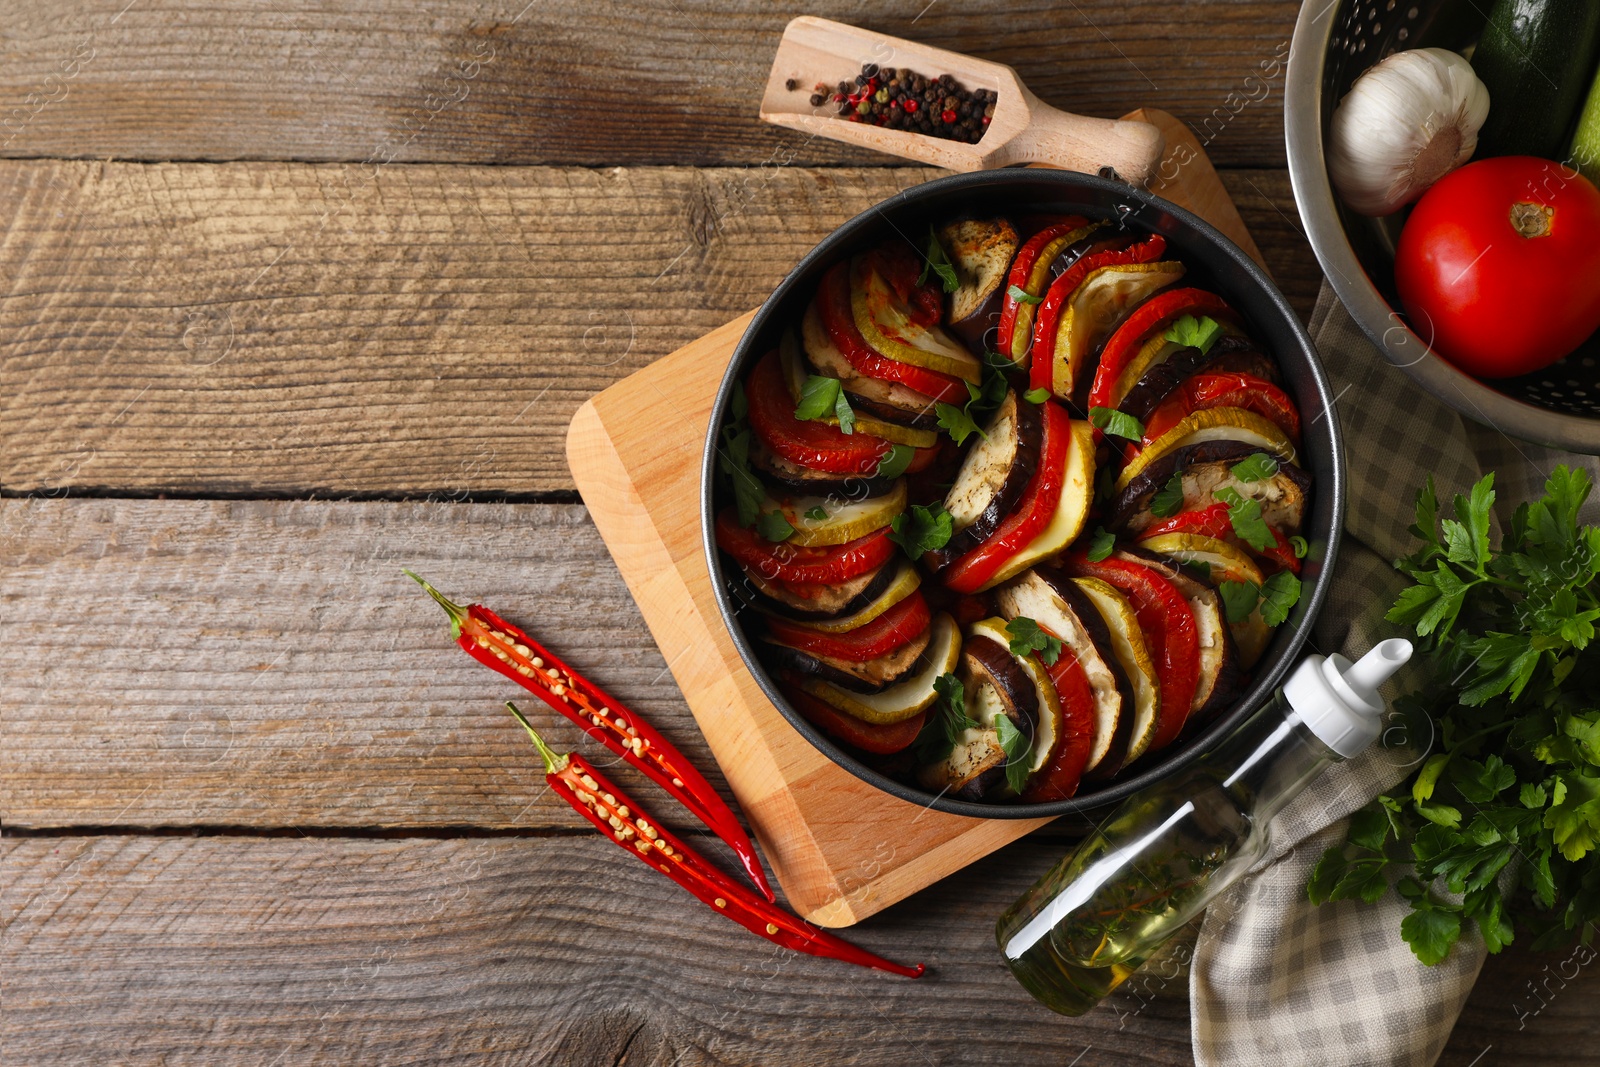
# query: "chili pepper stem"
{"type": "Point", "coordinates": [553, 763]}
{"type": "Point", "coordinates": [457, 613]}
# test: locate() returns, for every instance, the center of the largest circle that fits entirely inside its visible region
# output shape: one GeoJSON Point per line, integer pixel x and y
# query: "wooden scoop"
{"type": "Point", "coordinates": [1023, 129]}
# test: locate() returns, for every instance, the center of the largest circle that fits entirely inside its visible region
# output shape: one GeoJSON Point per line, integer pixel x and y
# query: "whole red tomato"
{"type": "Point", "coordinates": [1499, 265]}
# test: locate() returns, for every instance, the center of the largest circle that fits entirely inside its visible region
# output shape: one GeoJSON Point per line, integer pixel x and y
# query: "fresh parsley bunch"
{"type": "Point", "coordinates": [1514, 778]}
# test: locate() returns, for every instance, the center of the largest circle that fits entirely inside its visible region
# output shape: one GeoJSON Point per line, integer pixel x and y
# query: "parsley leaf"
{"type": "Point", "coordinates": [921, 529]}
{"type": "Point", "coordinates": [1239, 599]}
{"type": "Point", "coordinates": [733, 459]}
{"type": "Point", "coordinates": [1018, 750]}
{"type": "Point", "coordinates": [947, 718]}
{"type": "Point", "coordinates": [1101, 544]}
{"type": "Point", "coordinates": [1244, 514]}
{"type": "Point", "coordinates": [1036, 396]}
{"type": "Point", "coordinates": [817, 514]}
{"type": "Point", "coordinates": [774, 527]}
{"type": "Point", "coordinates": [1168, 501]}
{"type": "Point", "coordinates": [843, 412]}
{"type": "Point", "coordinates": [1254, 467]}
{"type": "Point", "coordinates": [1022, 296]}
{"type": "Point", "coordinates": [1026, 637]}
{"type": "Point", "coordinates": [1117, 423]}
{"type": "Point", "coordinates": [956, 422]}
{"type": "Point", "coordinates": [1279, 595]}
{"type": "Point", "coordinates": [894, 462]}
{"type": "Point", "coordinates": [823, 398]}
{"type": "Point", "coordinates": [1199, 333]}
{"type": "Point", "coordinates": [938, 262]}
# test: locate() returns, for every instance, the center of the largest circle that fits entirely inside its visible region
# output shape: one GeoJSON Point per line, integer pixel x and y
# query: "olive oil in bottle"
{"type": "Point", "coordinates": [1161, 857]}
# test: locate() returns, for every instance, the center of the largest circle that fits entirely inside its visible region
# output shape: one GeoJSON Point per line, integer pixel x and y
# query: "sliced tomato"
{"type": "Point", "coordinates": [882, 740]}
{"type": "Point", "coordinates": [1170, 632]}
{"type": "Point", "coordinates": [1154, 314]}
{"type": "Point", "coordinates": [1021, 276]}
{"type": "Point", "coordinates": [1213, 521]}
{"type": "Point", "coordinates": [879, 637]}
{"type": "Point", "coordinates": [833, 305]}
{"type": "Point", "coordinates": [1058, 779]}
{"type": "Point", "coordinates": [1225, 390]}
{"type": "Point", "coordinates": [810, 444]}
{"type": "Point", "coordinates": [784, 562]}
{"type": "Point", "coordinates": [1030, 518]}
{"type": "Point", "coordinates": [1056, 298]}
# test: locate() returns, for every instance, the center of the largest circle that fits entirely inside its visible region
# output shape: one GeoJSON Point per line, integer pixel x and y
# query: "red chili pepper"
{"type": "Point", "coordinates": [497, 644]}
{"type": "Point", "coordinates": [623, 822]}
{"type": "Point", "coordinates": [1046, 323]}
{"type": "Point", "coordinates": [1030, 518]}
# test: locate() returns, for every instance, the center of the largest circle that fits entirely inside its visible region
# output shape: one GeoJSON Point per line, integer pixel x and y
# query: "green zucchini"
{"type": "Point", "coordinates": [1536, 58]}
{"type": "Point", "coordinates": [1585, 149]}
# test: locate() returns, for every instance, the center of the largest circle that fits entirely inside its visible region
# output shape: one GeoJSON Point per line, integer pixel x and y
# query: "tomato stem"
{"type": "Point", "coordinates": [1531, 220]}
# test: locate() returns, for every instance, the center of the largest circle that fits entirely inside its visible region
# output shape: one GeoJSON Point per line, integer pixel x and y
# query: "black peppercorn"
{"type": "Point", "coordinates": [791, 85]}
{"type": "Point", "coordinates": [817, 99]}
{"type": "Point", "coordinates": [869, 69]}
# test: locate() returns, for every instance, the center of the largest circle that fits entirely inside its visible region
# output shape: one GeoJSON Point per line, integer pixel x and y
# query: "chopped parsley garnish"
{"type": "Point", "coordinates": [1199, 333]}
{"type": "Point", "coordinates": [894, 462]}
{"type": "Point", "coordinates": [1101, 544]}
{"type": "Point", "coordinates": [1018, 750]}
{"type": "Point", "coordinates": [1300, 546]}
{"type": "Point", "coordinates": [1026, 637]}
{"type": "Point", "coordinates": [962, 422]}
{"type": "Point", "coordinates": [1254, 468]}
{"type": "Point", "coordinates": [821, 398]}
{"type": "Point", "coordinates": [1239, 599]}
{"type": "Point", "coordinates": [817, 514]}
{"type": "Point", "coordinates": [1168, 500]}
{"type": "Point", "coordinates": [774, 527]}
{"type": "Point", "coordinates": [946, 720]}
{"type": "Point", "coordinates": [921, 529]}
{"type": "Point", "coordinates": [1277, 596]}
{"type": "Point", "coordinates": [733, 460]}
{"type": "Point", "coordinates": [1117, 423]}
{"type": "Point", "coordinates": [956, 422]}
{"type": "Point", "coordinates": [1244, 513]}
{"type": "Point", "coordinates": [938, 262]}
{"type": "Point", "coordinates": [1022, 296]}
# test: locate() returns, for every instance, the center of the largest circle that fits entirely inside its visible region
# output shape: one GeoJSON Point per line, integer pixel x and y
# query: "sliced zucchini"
{"type": "Point", "coordinates": [887, 325]}
{"type": "Point", "coordinates": [1213, 424]}
{"type": "Point", "coordinates": [1127, 641]}
{"type": "Point", "coordinates": [842, 519]}
{"type": "Point", "coordinates": [911, 696]}
{"type": "Point", "coordinates": [993, 477]}
{"type": "Point", "coordinates": [1072, 510]}
{"type": "Point", "coordinates": [1095, 309]}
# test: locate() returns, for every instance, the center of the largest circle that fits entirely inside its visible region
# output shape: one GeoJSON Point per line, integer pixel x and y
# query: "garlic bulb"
{"type": "Point", "coordinates": [1405, 123]}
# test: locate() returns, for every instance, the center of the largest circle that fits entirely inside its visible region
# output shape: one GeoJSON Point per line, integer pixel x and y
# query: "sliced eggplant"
{"type": "Point", "coordinates": [987, 660]}
{"type": "Point", "coordinates": [981, 251]}
{"type": "Point", "coordinates": [832, 601]}
{"type": "Point", "coordinates": [792, 478]}
{"type": "Point", "coordinates": [917, 409]}
{"type": "Point", "coordinates": [1208, 467]}
{"type": "Point", "coordinates": [1039, 707]}
{"type": "Point", "coordinates": [976, 760]}
{"type": "Point", "coordinates": [993, 477]}
{"type": "Point", "coordinates": [1212, 424]}
{"type": "Point", "coordinates": [902, 701]}
{"type": "Point", "coordinates": [1220, 678]}
{"type": "Point", "coordinates": [1051, 599]}
{"type": "Point", "coordinates": [1127, 642]}
{"type": "Point", "coordinates": [1072, 510]}
{"type": "Point", "coordinates": [1231, 353]}
{"type": "Point", "coordinates": [927, 418]}
{"type": "Point", "coordinates": [866, 676]}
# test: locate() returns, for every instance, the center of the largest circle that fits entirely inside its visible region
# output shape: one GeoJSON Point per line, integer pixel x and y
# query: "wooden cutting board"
{"type": "Point", "coordinates": [840, 848]}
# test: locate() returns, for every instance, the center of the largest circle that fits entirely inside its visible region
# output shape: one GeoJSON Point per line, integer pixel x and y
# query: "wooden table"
{"type": "Point", "coordinates": [298, 292]}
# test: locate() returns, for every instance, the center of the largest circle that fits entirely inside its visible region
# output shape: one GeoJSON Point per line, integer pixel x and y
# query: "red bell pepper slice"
{"type": "Point", "coordinates": [1022, 265]}
{"type": "Point", "coordinates": [1225, 390]}
{"type": "Point", "coordinates": [1213, 521]}
{"type": "Point", "coordinates": [882, 740]}
{"type": "Point", "coordinates": [784, 562]}
{"type": "Point", "coordinates": [833, 306]}
{"type": "Point", "coordinates": [811, 444]}
{"type": "Point", "coordinates": [1152, 315]}
{"type": "Point", "coordinates": [881, 636]}
{"type": "Point", "coordinates": [1030, 518]}
{"type": "Point", "coordinates": [1047, 322]}
{"type": "Point", "coordinates": [1167, 622]}
{"type": "Point", "coordinates": [1058, 779]}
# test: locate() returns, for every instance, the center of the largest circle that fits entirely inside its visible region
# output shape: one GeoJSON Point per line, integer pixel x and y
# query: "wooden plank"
{"type": "Point", "coordinates": [482, 81]}
{"type": "Point", "coordinates": [266, 664]}
{"type": "Point", "coordinates": [555, 950]}
{"type": "Point", "coordinates": [293, 329]}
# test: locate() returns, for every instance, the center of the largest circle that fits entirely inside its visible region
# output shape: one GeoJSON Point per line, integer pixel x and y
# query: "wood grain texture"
{"type": "Point", "coordinates": [237, 950]}
{"type": "Point", "coordinates": [294, 329]}
{"type": "Point", "coordinates": [590, 83]}
{"type": "Point", "coordinates": [266, 664]}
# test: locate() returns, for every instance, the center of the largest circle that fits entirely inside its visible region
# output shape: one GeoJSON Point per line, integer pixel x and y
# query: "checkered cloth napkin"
{"type": "Point", "coordinates": [1278, 981]}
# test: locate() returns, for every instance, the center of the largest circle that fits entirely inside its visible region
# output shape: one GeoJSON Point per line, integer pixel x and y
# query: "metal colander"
{"type": "Point", "coordinates": [1335, 41]}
